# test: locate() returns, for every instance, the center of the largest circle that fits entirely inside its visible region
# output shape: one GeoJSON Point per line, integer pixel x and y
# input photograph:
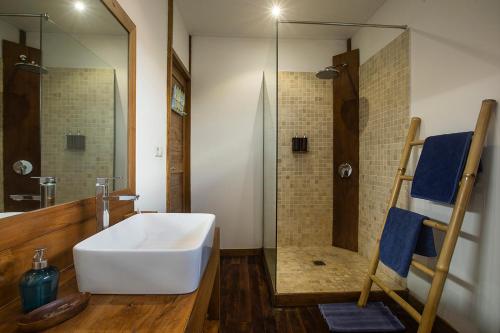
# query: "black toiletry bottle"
{"type": "Point", "coordinates": [38, 286]}
{"type": "Point", "coordinates": [303, 144]}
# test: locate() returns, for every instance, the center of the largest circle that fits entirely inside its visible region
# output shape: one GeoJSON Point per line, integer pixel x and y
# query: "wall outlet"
{"type": "Point", "coordinates": [159, 152]}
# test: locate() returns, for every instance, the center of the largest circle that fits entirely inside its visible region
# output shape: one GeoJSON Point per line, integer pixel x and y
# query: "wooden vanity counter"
{"type": "Point", "coordinates": [138, 313]}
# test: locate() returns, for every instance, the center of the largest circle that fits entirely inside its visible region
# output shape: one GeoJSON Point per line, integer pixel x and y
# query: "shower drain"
{"type": "Point", "coordinates": [319, 263]}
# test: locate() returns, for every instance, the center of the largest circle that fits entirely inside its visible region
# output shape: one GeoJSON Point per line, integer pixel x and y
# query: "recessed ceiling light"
{"type": "Point", "coordinates": [79, 6]}
{"type": "Point", "coordinates": [276, 11]}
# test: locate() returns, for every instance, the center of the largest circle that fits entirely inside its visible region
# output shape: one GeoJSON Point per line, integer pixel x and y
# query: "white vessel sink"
{"type": "Point", "coordinates": [146, 254]}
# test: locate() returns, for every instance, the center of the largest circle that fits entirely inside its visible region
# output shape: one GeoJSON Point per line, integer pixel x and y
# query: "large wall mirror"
{"type": "Point", "coordinates": [64, 86]}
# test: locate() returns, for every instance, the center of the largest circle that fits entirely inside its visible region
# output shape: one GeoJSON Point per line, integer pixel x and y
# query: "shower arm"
{"type": "Point", "coordinates": [347, 24]}
{"type": "Point", "coordinates": [44, 15]}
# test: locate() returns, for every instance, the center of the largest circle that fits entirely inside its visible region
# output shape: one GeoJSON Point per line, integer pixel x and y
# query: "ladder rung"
{"type": "Point", "coordinates": [403, 177]}
{"type": "Point", "coordinates": [436, 225]}
{"type": "Point", "coordinates": [417, 143]}
{"type": "Point", "coordinates": [421, 267]}
{"type": "Point", "coordinates": [392, 294]}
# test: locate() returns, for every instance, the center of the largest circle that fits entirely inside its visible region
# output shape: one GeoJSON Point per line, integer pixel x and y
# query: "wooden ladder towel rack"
{"type": "Point", "coordinates": [451, 229]}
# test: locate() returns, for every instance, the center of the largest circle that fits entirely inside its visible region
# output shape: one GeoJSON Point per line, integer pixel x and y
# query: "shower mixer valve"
{"type": "Point", "coordinates": [345, 170]}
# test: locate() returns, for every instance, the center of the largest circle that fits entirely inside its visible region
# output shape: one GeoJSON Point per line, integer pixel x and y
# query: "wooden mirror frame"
{"type": "Point", "coordinates": [122, 17]}
{"type": "Point", "coordinates": [60, 227]}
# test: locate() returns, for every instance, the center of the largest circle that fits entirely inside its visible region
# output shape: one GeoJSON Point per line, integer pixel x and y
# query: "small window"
{"type": "Point", "coordinates": [178, 100]}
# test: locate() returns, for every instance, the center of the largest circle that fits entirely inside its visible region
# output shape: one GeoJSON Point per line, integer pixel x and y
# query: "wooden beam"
{"type": "Point", "coordinates": [190, 51]}
{"type": "Point", "coordinates": [177, 62]}
{"type": "Point", "coordinates": [436, 225]}
{"type": "Point", "coordinates": [392, 294]}
{"type": "Point", "coordinates": [417, 143]}
{"type": "Point", "coordinates": [421, 267]}
{"type": "Point", "coordinates": [170, 62]}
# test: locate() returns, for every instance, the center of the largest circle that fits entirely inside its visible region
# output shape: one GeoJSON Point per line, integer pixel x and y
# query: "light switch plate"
{"type": "Point", "coordinates": [159, 152]}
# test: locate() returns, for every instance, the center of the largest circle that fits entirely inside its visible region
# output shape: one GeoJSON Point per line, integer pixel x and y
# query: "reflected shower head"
{"type": "Point", "coordinates": [31, 67]}
{"type": "Point", "coordinates": [330, 72]}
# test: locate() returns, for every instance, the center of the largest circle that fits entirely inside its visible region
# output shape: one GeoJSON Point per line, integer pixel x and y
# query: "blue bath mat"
{"type": "Point", "coordinates": [348, 317]}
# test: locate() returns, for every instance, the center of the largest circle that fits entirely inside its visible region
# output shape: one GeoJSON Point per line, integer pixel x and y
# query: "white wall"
{"type": "Point", "coordinates": [227, 125]}
{"type": "Point", "coordinates": [226, 135]}
{"type": "Point", "coordinates": [455, 55]}
{"type": "Point", "coordinates": [308, 55]}
{"type": "Point", "coordinates": [150, 17]}
{"type": "Point", "coordinates": [180, 34]}
{"type": "Point", "coordinates": [63, 50]}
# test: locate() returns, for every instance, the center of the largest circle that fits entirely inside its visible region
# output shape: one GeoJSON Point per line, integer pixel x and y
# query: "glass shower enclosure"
{"type": "Point", "coordinates": [306, 97]}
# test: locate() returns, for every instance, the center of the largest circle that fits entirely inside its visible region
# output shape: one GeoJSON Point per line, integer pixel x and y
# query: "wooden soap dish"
{"type": "Point", "coordinates": [53, 313]}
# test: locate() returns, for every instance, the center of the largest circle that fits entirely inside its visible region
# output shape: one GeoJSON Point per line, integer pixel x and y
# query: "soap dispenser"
{"type": "Point", "coordinates": [38, 286]}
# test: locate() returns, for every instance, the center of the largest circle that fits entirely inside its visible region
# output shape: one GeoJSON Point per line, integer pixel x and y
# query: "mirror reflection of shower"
{"type": "Point", "coordinates": [330, 72]}
{"type": "Point", "coordinates": [30, 66]}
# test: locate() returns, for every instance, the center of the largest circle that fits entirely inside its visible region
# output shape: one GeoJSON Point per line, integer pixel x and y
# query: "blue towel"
{"type": "Point", "coordinates": [348, 317]}
{"type": "Point", "coordinates": [403, 235]}
{"type": "Point", "coordinates": [440, 167]}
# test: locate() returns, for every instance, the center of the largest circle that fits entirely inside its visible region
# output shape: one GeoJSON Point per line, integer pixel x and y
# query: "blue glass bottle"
{"type": "Point", "coordinates": [38, 286]}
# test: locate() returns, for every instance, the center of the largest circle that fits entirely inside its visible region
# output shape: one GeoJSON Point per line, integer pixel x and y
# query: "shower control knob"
{"type": "Point", "coordinates": [345, 170]}
{"type": "Point", "coordinates": [22, 167]}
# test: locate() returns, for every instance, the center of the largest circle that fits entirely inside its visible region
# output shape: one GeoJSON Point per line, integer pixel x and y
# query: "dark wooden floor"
{"type": "Point", "coordinates": [246, 305]}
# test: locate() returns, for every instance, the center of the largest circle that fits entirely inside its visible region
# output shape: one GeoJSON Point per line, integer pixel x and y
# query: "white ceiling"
{"type": "Point", "coordinates": [95, 19]}
{"type": "Point", "coordinates": [251, 18]}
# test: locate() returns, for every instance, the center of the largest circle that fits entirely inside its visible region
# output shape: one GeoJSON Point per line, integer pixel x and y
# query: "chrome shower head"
{"type": "Point", "coordinates": [31, 67]}
{"type": "Point", "coordinates": [330, 72]}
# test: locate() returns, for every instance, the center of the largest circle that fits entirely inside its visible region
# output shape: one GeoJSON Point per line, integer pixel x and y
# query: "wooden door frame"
{"type": "Point", "coordinates": [173, 60]}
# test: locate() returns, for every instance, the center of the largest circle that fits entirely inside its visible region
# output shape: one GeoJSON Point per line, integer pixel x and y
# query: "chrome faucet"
{"type": "Point", "coordinates": [47, 191]}
{"type": "Point", "coordinates": [102, 201]}
{"type": "Point", "coordinates": [47, 196]}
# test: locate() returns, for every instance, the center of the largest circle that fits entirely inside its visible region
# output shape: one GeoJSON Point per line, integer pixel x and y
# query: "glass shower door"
{"type": "Point", "coordinates": [270, 131]}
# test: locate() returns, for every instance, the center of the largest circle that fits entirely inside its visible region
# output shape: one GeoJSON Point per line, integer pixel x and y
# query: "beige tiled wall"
{"type": "Point", "coordinates": [305, 180]}
{"type": "Point", "coordinates": [78, 100]}
{"type": "Point", "coordinates": [384, 116]}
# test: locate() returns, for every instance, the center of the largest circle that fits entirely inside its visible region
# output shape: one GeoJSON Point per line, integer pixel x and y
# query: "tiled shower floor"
{"type": "Point", "coordinates": [344, 271]}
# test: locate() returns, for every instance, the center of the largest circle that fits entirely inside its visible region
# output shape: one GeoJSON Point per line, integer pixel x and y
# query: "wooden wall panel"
{"type": "Point", "coordinates": [21, 126]}
{"type": "Point", "coordinates": [15, 261]}
{"type": "Point", "coordinates": [59, 237]}
{"type": "Point", "coordinates": [346, 149]}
